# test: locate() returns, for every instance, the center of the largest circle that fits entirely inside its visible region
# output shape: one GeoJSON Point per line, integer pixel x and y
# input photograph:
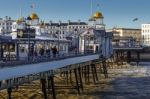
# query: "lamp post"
{"type": "Point", "coordinates": [28, 28]}
{"type": "Point", "coordinates": [100, 45]}
{"type": "Point", "coordinates": [88, 41]}
{"type": "Point", "coordinates": [0, 50]}
{"type": "Point", "coordinates": [58, 30]}
{"type": "Point", "coordinates": [77, 40]}
{"type": "Point", "coordinates": [105, 44]}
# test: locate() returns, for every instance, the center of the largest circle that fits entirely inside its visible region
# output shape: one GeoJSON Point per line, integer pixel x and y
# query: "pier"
{"type": "Point", "coordinates": [76, 70]}
{"type": "Point", "coordinates": [76, 66]}
{"type": "Point", "coordinates": [50, 56]}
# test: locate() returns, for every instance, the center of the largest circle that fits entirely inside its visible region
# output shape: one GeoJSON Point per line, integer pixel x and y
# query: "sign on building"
{"type": "Point", "coordinates": [26, 33]}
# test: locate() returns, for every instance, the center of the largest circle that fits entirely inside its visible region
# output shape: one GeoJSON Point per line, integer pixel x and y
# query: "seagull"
{"type": "Point", "coordinates": [135, 19]}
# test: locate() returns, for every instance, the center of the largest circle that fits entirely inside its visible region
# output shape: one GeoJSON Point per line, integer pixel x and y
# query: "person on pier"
{"type": "Point", "coordinates": [54, 51]}
{"type": "Point", "coordinates": [41, 52]}
{"type": "Point", "coordinates": [48, 52]}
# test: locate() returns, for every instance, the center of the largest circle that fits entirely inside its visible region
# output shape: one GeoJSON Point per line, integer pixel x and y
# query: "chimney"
{"type": "Point", "coordinates": [9, 18]}
{"type": "Point", "coordinates": [6, 17]}
{"type": "Point", "coordinates": [79, 21]}
{"type": "Point", "coordinates": [50, 22]}
{"type": "Point", "coordinates": [59, 22]}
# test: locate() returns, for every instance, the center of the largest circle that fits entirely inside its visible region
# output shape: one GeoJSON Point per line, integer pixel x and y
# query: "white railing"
{"type": "Point", "coordinates": [44, 58]}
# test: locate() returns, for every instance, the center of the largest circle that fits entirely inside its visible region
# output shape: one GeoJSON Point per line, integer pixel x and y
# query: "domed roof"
{"type": "Point", "coordinates": [92, 19]}
{"type": "Point", "coordinates": [21, 19]}
{"type": "Point", "coordinates": [98, 15]}
{"type": "Point", "coordinates": [34, 16]}
{"type": "Point", "coordinates": [29, 18]}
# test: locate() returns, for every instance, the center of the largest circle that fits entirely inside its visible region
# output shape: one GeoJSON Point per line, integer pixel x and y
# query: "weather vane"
{"type": "Point", "coordinates": [32, 7]}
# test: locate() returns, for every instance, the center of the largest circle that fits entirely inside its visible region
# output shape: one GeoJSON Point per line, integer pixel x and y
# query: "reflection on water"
{"type": "Point", "coordinates": [130, 83]}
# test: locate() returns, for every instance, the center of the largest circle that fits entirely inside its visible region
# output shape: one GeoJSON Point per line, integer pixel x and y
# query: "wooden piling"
{"type": "Point", "coordinates": [93, 73]}
{"type": "Point", "coordinates": [43, 83]}
{"type": "Point", "coordinates": [77, 82]}
{"type": "Point", "coordinates": [53, 87]}
{"type": "Point", "coordinates": [9, 91]}
{"type": "Point", "coordinates": [80, 78]}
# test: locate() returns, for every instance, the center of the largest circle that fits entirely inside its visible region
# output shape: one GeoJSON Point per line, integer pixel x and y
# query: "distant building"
{"type": "Point", "coordinates": [128, 33]}
{"type": "Point", "coordinates": [60, 33]}
{"type": "Point", "coordinates": [123, 42]}
{"type": "Point", "coordinates": [95, 38]}
{"type": "Point", "coordinates": [30, 34]}
{"type": "Point", "coordinates": [42, 37]}
{"type": "Point", "coordinates": [6, 25]}
{"type": "Point", "coordinates": [146, 34]}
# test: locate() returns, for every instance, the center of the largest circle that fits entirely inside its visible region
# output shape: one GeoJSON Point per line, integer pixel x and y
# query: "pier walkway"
{"type": "Point", "coordinates": [17, 73]}
{"type": "Point", "coordinates": [79, 66]}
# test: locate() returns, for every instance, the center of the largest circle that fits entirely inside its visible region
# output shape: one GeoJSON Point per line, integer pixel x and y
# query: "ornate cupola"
{"type": "Point", "coordinates": [96, 21]}
{"type": "Point", "coordinates": [33, 19]}
{"type": "Point", "coordinates": [34, 16]}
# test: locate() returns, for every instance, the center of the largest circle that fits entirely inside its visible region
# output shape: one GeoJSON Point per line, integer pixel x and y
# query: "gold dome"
{"type": "Point", "coordinates": [98, 15]}
{"type": "Point", "coordinates": [92, 18]}
{"type": "Point", "coordinates": [21, 19]}
{"type": "Point", "coordinates": [34, 16]}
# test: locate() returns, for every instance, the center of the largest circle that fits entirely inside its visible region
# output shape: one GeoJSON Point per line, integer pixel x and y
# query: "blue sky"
{"type": "Point", "coordinates": [118, 13]}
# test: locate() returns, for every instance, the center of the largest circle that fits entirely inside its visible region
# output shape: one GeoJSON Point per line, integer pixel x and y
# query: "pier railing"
{"type": "Point", "coordinates": [28, 71]}
{"type": "Point", "coordinates": [44, 58]}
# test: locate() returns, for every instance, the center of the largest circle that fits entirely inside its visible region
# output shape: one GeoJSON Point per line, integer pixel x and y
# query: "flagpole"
{"type": "Point", "coordinates": [20, 12]}
{"type": "Point", "coordinates": [91, 7]}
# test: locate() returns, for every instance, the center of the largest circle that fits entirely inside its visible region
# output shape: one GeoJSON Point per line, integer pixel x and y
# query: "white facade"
{"type": "Point", "coordinates": [47, 40]}
{"type": "Point", "coordinates": [6, 25]}
{"type": "Point", "coordinates": [146, 34]}
{"type": "Point", "coordinates": [96, 41]}
{"type": "Point", "coordinates": [54, 33]}
{"type": "Point", "coordinates": [95, 38]}
{"type": "Point", "coordinates": [15, 26]}
{"type": "Point", "coordinates": [127, 33]}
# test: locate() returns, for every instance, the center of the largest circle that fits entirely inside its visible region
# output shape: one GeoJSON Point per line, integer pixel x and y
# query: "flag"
{"type": "Point", "coordinates": [135, 19]}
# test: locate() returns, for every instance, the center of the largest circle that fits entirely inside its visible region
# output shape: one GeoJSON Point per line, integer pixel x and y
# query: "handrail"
{"type": "Point", "coordinates": [39, 59]}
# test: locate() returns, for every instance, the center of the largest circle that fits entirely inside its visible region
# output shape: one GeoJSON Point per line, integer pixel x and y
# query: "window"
{"type": "Point", "coordinates": [14, 27]}
{"type": "Point", "coordinates": [91, 47]}
{"type": "Point", "coordinates": [91, 38]}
